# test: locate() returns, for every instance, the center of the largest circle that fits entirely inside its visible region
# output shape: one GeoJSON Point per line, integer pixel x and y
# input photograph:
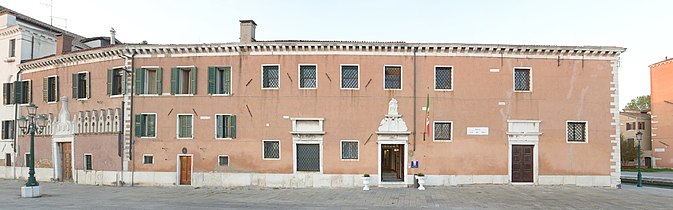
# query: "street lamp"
{"type": "Point", "coordinates": [639, 138]}
{"type": "Point", "coordinates": [29, 125]}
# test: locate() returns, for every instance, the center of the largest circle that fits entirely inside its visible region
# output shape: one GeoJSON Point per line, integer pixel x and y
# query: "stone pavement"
{"type": "Point", "coordinates": [72, 196]}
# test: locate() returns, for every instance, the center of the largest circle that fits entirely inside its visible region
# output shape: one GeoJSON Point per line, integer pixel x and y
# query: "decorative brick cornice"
{"type": "Point", "coordinates": [660, 63]}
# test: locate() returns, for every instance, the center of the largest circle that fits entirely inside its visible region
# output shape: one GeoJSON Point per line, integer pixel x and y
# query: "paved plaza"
{"type": "Point", "coordinates": [73, 196]}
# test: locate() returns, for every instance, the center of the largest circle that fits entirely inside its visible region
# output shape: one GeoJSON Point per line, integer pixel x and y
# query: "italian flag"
{"type": "Point", "coordinates": [427, 118]}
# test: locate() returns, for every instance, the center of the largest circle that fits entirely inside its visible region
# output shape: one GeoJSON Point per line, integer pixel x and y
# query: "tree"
{"type": "Point", "coordinates": [628, 150]}
{"type": "Point", "coordinates": [640, 103]}
{"type": "Point", "coordinates": [143, 42]}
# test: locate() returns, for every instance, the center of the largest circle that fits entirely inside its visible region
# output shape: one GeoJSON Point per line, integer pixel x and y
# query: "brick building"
{"type": "Point", "coordinates": [661, 75]}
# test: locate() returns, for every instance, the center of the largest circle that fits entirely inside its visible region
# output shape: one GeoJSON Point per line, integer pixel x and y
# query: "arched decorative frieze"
{"type": "Point", "coordinates": [94, 121]}
{"type": "Point", "coordinates": [116, 120]}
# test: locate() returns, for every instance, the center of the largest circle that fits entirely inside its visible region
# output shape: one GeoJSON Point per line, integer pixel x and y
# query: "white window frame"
{"type": "Point", "coordinates": [148, 155]}
{"type": "Point", "coordinates": [434, 77]}
{"type": "Point", "coordinates": [156, 128]}
{"type": "Point", "coordinates": [341, 76]}
{"type": "Point", "coordinates": [84, 162]}
{"type": "Point", "coordinates": [586, 132]}
{"type": "Point", "coordinates": [12, 48]}
{"type": "Point", "coordinates": [262, 77]}
{"type": "Point", "coordinates": [279, 150]}
{"type": "Point", "coordinates": [191, 68]}
{"type": "Point", "coordinates": [146, 83]}
{"type": "Point", "coordinates": [433, 131]}
{"type": "Point", "coordinates": [231, 77]}
{"type": "Point", "coordinates": [55, 91]}
{"type": "Point", "coordinates": [219, 164]}
{"type": "Point", "coordinates": [530, 79]}
{"type": "Point", "coordinates": [341, 154]}
{"type": "Point", "coordinates": [123, 82]}
{"type": "Point", "coordinates": [177, 126]}
{"type": "Point", "coordinates": [215, 127]}
{"type": "Point", "coordinates": [30, 100]}
{"type": "Point", "coordinates": [88, 78]}
{"type": "Point", "coordinates": [299, 76]}
{"type": "Point", "coordinates": [384, 77]}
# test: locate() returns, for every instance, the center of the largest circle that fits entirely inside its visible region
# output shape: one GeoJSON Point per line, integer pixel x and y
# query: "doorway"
{"type": "Point", "coordinates": [522, 163]}
{"type": "Point", "coordinates": [66, 161]}
{"type": "Point", "coordinates": [392, 163]}
{"type": "Point", "coordinates": [185, 170]}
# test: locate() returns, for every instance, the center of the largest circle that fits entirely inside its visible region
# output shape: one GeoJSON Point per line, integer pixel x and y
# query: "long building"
{"type": "Point", "coordinates": [661, 76]}
{"type": "Point", "coordinates": [303, 113]}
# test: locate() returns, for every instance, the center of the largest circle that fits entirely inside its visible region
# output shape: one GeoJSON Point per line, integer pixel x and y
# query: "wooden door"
{"type": "Point", "coordinates": [66, 161]}
{"type": "Point", "coordinates": [522, 163]}
{"type": "Point", "coordinates": [185, 170]}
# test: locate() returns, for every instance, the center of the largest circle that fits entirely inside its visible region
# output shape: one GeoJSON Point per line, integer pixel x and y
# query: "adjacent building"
{"type": "Point", "coordinates": [661, 75]}
{"type": "Point", "coordinates": [299, 113]}
{"type": "Point", "coordinates": [632, 122]}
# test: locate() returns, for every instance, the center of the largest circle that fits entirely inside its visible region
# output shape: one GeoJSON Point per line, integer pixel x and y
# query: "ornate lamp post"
{"type": "Point", "coordinates": [31, 124]}
{"type": "Point", "coordinates": [639, 138]}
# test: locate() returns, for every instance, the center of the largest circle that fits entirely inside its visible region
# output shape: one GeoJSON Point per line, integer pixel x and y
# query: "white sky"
{"type": "Point", "coordinates": [643, 27]}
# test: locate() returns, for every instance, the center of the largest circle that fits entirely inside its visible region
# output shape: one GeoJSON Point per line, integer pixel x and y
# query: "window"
{"type": "Point", "coordinates": [308, 157]}
{"type": "Point", "coordinates": [641, 125]}
{"type": "Point", "coordinates": [50, 89]}
{"type": "Point", "coordinates": [522, 79]}
{"type": "Point", "coordinates": [350, 77]}
{"type": "Point", "coordinates": [183, 80]}
{"type": "Point", "coordinates": [443, 78]}
{"type": "Point", "coordinates": [630, 126]}
{"type": "Point", "coordinates": [22, 92]}
{"type": "Point", "coordinates": [115, 81]}
{"type": "Point", "coordinates": [8, 159]}
{"type": "Point", "coordinates": [443, 131]}
{"type": "Point", "coordinates": [349, 150]}
{"type": "Point", "coordinates": [577, 131]}
{"type": "Point", "coordinates": [148, 159]}
{"type": "Point", "coordinates": [87, 162]}
{"type": "Point", "coordinates": [26, 159]}
{"type": "Point", "coordinates": [8, 129]}
{"type": "Point", "coordinates": [271, 149]}
{"type": "Point", "coordinates": [393, 77]}
{"type": "Point", "coordinates": [308, 76]}
{"type": "Point", "coordinates": [270, 76]}
{"type": "Point", "coordinates": [225, 126]}
{"type": "Point", "coordinates": [148, 81]}
{"type": "Point", "coordinates": [7, 93]}
{"type": "Point", "coordinates": [185, 126]}
{"type": "Point", "coordinates": [81, 85]}
{"type": "Point", "coordinates": [145, 125]}
{"type": "Point", "coordinates": [223, 160]}
{"type": "Point", "coordinates": [219, 80]}
{"type": "Point", "coordinates": [12, 48]}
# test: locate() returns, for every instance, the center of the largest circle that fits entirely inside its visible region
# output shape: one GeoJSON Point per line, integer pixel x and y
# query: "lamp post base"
{"type": "Point", "coordinates": [30, 192]}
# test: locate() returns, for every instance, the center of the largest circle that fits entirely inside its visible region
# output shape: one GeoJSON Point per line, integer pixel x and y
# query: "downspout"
{"type": "Point", "coordinates": [131, 159]}
{"type": "Point", "coordinates": [415, 49]}
{"type": "Point", "coordinates": [32, 46]}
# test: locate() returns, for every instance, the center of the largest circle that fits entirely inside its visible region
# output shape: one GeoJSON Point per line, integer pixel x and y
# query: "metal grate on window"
{"type": "Point", "coordinates": [148, 159]}
{"type": "Point", "coordinates": [308, 157]}
{"type": "Point", "coordinates": [577, 131]}
{"type": "Point", "coordinates": [349, 77]}
{"type": "Point", "coordinates": [442, 131]}
{"type": "Point", "coordinates": [224, 161]}
{"type": "Point", "coordinates": [349, 150]}
{"type": "Point", "coordinates": [272, 149]}
{"type": "Point", "coordinates": [443, 80]}
{"type": "Point", "coordinates": [393, 77]}
{"type": "Point", "coordinates": [307, 76]}
{"type": "Point", "coordinates": [522, 79]}
{"type": "Point", "coordinates": [270, 76]}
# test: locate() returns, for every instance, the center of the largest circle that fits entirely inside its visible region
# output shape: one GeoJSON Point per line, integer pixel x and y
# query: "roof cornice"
{"type": "Point", "coordinates": [664, 62]}
{"type": "Point", "coordinates": [374, 48]}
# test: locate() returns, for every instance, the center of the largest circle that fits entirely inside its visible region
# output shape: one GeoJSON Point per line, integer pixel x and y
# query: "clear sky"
{"type": "Point", "coordinates": [643, 27]}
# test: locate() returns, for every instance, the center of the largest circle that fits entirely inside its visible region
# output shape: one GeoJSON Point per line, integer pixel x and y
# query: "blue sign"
{"type": "Point", "coordinates": [414, 163]}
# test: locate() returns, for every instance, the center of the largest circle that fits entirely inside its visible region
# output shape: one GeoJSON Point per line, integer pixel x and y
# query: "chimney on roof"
{"type": "Point", "coordinates": [112, 36]}
{"type": "Point", "coordinates": [248, 31]}
{"type": "Point", "coordinates": [63, 43]}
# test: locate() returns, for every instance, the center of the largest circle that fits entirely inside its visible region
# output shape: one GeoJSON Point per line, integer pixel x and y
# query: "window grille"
{"type": "Point", "coordinates": [270, 76]}
{"type": "Point", "coordinates": [272, 149]}
{"type": "Point", "coordinates": [307, 77]}
{"type": "Point", "coordinates": [349, 77]}
{"type": "Point", "coordinates": [308, 157]}
{"type": "Point", "coordinates": [443, 79]}
{"type": "Point", "coordinates": [577, 131]}
{"type": "Point", "coordinates": [522, 79]}
{"type": "Point", "coordinates": [349, 150]}
{"type": "Point", "coordinates": [223, 160]}
{"type": "Point", "coordinates": [148, 159]}
{"type": "Point", "coordinates": [393, 77]}
{"type": "Point", "coordinates": [443, 131]}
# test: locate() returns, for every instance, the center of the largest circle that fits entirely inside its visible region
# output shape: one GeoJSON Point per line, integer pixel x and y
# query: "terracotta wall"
{"type": "Point", "coordinates": [662, 120]}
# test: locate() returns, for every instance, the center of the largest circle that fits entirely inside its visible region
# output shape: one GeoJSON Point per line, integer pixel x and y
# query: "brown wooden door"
{"type": "Point", "coordinates": [522, 163]}
{"type": "Point", "coordinates": [185, 170]}
{"type": "Point", "coordinates": [66, 161]}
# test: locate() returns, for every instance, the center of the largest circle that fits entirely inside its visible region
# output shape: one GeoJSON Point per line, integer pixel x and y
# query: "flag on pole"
{"type": "Point", "coordinates": [427, 118]}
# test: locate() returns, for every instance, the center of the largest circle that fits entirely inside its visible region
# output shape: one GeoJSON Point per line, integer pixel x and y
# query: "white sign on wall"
{"type": "Point", "coordinates": [477, 131]}
{"type": "Point", "coordinates": [659, 149]}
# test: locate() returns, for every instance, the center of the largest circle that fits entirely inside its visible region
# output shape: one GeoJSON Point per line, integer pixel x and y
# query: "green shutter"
{"type": "Point", "coordinates": [74, 86]}
{"type": "Point", "coordinates": [88, 84]}
{"type": "Point", "coordinates": [56, 89]}
{"type": "Point", "coordinates": [138, 125]}
{"type": "Point", "coordinates": [45, 89]}
{"type": "Point", "coordinates": [192, 77]}
{"type": "Point", "coordinates": [140, 76]}
{"type": "Point", "coordinates": [29, 91]}
{"type": "Point", "coordinates": [227, 81]}
{"type": "Point", "coordinates": [18, 92]}
{"type": "Point", "coordinates": [212, 72]}
{"type": "Point", "coordinates": [110, 75]}
{"type": "Point", "coordinates": [159, 79]}
{"type": "Point", "coordinates": [232, 126]}
{"type": "Point", "coordinates": [151, 125]}
{"type": "Point", "coordinates": [174, 80]}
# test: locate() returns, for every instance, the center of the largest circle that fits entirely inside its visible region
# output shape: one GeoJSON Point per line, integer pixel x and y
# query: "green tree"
{"type": "Point", "coordinates": [143, 42]}
{"type": "Point", "coordinates": [640, 103]}
{"type": "Point", "coordinates": [628, 150]}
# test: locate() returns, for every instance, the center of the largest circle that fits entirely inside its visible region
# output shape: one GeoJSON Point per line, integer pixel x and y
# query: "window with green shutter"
{"type": "Point", "coordinates": [219, 80]}
{"type": "Point", "coordinates": [50, 89]}
{"type": "Point", "coordinates": [185, 126]}
{"type": "Point", "coordinates": [148, 81]}
{"type": "Point", "coordinates": [225, 126]}
{"type": "Point", "coordinates": [145, 125]}
{"type": "Point", "coordinates": [22, 92]}
{"type": "Point", "coordinates": [7, 93]}
{"type": "Point", "coordinates": [183, 80]}
{"type": "Point", "coordinates": [115, 81]}
{"type": "Point", "coordinates": [81, 85]}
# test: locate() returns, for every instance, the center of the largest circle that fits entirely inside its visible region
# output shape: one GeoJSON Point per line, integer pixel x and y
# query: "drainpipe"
{"type": "Point", "coordinates": [133, 75]}
{"type": "Point", "coordinates": [415, 49]}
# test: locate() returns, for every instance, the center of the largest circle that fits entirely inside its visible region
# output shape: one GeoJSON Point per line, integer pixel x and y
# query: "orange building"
{"type": "Point", "coordinates": [661, 74]}
{"type": "Point", "coordinates": [322, 113]}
